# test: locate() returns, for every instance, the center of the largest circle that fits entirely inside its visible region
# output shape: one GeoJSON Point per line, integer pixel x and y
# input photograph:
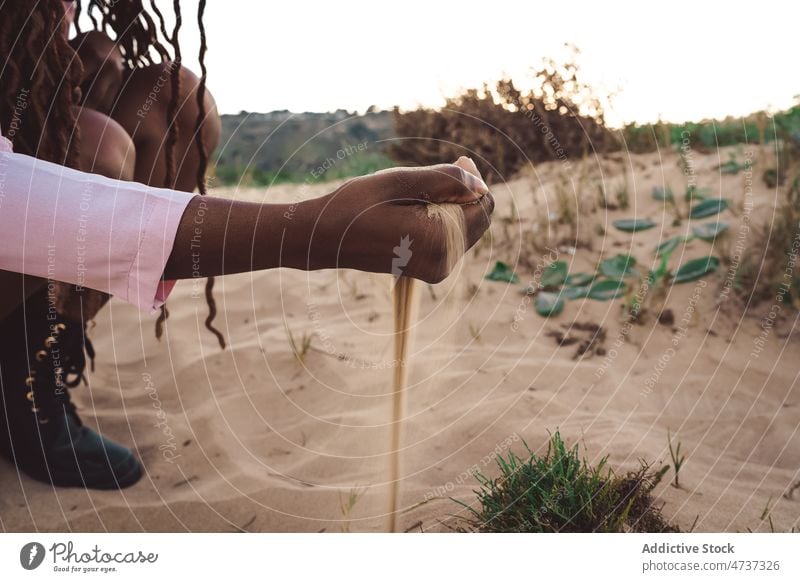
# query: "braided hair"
{"type": "Point", "coordinates": [39, 78]}
{"type": "Point", "coordinates": [31, 46]}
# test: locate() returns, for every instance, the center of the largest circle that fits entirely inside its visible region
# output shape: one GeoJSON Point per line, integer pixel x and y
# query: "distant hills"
{"type": "Point", "coordinates": [264, 148]}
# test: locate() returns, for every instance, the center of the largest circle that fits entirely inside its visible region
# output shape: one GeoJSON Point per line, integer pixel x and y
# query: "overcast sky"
{"type": "Point", "coordinates": [679, 60]}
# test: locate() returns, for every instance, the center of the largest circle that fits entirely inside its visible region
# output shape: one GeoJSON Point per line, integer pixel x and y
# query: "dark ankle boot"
{"type": "Point", "coordinates": [41, 358]}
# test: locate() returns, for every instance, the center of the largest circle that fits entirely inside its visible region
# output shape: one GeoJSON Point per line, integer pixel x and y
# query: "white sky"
{"type": "Point", "coordinates": [680, 60]}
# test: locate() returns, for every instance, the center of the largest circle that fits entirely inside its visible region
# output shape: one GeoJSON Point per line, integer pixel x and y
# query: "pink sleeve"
{"type": "Point", "coordinates": [88, 230]}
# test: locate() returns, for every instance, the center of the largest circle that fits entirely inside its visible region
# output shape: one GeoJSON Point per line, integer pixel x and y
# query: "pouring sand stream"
{"type": "Point", "coordinates": [406, 301]}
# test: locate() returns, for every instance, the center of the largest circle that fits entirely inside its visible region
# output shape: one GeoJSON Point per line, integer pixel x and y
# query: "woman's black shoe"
{"type": "Point", "coordinates": [41, 357]}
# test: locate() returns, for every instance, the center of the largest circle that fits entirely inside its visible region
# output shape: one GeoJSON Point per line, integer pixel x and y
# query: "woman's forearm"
{"type": "Point", "coordinates": [377, 223]}
{"type": "Point", "coordinates": [217, 236]}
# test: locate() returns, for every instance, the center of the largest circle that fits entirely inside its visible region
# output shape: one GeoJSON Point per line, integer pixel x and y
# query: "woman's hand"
{"type": "Point", "coordinates": [379, 223]}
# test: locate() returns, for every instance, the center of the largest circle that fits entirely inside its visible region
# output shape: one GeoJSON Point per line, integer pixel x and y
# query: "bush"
{"type": "Point", "coordinates": [504, 129]}
{"type": "Point", "coordinates": [560, 492]}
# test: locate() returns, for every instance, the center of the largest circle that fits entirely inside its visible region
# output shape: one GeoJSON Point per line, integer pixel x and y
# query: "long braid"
{"type": "Point", "coordinates": [172, 129]}
{"type": "Point", "coordinates": [172, 108]}
{"type": "Point", "coordinates": [203, 157]}
{"type": "Point", "coordinates": [162, 25]}
{"type": "Point", "coordinates": [38, 81]}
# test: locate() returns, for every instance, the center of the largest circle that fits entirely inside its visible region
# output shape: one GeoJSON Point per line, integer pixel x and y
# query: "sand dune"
{"type": "Point", "coordinates": [253, 438]}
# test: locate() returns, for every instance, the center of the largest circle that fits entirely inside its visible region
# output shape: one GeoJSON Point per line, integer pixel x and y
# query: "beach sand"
{"type": "Point", "coordinates": [255, 438]}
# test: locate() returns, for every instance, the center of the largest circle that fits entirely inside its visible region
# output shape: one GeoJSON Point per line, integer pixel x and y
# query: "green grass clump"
{"type": "Point", "coordinates": [561, 492]}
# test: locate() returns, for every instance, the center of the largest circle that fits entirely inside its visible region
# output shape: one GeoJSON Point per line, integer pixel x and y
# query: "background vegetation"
{"type": "Point", "coordinates": [265, 148]}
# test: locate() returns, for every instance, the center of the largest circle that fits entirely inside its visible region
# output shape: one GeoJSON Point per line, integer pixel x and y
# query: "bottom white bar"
{"type": "Point", "coordinates": [402, 557]}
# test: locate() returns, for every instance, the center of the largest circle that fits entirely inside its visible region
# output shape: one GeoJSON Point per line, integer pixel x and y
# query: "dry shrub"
{"type": "Point", "coordinates": [560, 118]}
{"type": "Point", "coordinates": [769, 270]}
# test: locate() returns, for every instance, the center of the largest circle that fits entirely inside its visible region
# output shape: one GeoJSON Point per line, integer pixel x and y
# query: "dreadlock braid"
{"type": "Point", "coordinates": [135, 31]}
{"type": "Point", "coordinates": [172, 129]}
{"type": "Point", "coordinates": [39, 81]}
{"type": "Point", "coordinates": [203, 157]}
{"type": "Point", "coordinates": [172, 109]}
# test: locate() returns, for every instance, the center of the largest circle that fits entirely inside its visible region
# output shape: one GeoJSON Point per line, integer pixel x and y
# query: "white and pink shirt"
{"type": "Point", "coordinates": [85, 229]}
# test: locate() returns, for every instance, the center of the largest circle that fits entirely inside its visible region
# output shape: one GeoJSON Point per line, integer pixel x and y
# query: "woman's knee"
{"type": "Point", "coordinates": [106, 148]}
{"type": "Point", "coordinates": [143, 109]}
{"type": "Point", "coordinates": [145, 101]}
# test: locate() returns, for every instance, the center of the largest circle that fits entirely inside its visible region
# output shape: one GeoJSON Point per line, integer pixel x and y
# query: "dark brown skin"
{"type": "Point", "coordinates": [103, 69]}
{"type": "Point", "coordinates": [355, 227]}
{"type": "Point", "coordinates": [148, 128]}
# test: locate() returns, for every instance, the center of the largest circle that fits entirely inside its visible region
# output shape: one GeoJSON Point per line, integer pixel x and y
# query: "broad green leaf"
{"type": "Point", "coordinates": [710, 230]}
{"type": "Point", "coordinates": [669, 245]}
{"type": "Point", "coordinates": [708, 207]}
{"type": "Point", "coordinates": [608, 289]}
{"type": "Point", "coordinates": [554, 274]}
{"type": "Point", "coordinates": [663, 194]}
{"type": "Point", "coordinates": [694, 269]}
{"type": "Point", "coordinates": [619, 267]}
{"type": "Point", "coordinates": [548, 304]}
{"type": "Point", "coordinates": [633, 224]}
{"type": "Point", "coordinates": [573, 293]}
{"type": "Point", "coordinates": [502, 272]}
{"type": "Point", "coordinates": [731, 167]}
{"type": "Point", "coordinates": [579, 279]}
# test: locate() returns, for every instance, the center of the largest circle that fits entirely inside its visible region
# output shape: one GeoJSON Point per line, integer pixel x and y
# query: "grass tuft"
{"type": "Point", "coordinates": [561, 492]}
{"type": "Point", "coordinates": [677, 460]}
{"type": "Point", "coordinates": [346, 506]}
{"type": "Point", "coordinates": [299, 348]}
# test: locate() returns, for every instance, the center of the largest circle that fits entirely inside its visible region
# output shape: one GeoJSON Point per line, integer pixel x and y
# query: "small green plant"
{"type": "Point", "coordinates": [623, 199]}
{"type": "Point", "coordinates": [708, 207]}
{"type": "Point", "coordinates": [732, 166]}
{"type": "Point", "coordinates": [709, 231]}
{"type": "Point", "coordinates": [548, 304]}
{"type": "Point", "coordinates": [602, 199]}
{"type": "Point", "coordinates": [567, 204]}
{"type": "Point", "coordinates": [475, 332]}
{"type": "Point", "coordinates": [299, 349]}
{"type": "Point", "coordinates": [346, 507]}
{"type": "Point", "coordinates": [677, 460]}
{"type": "Point", "coordinates": [554, 275]}
{"type": "Point", "coordinates": [695, 269]}
{"type": "Point", "coordinates": [766, 514]}
{"type": "Point", "coordinates": [695, 193]}
{"type": "Point", "coordinates": [633, 224]}
{"type": "Point", "coordinates": [664, 194]}
{"type": "Point", "coordinates": [502, 272]}
{"type": "Point", "coordinates": [561, 492]}
{"type": "Point", "coordinates": [619, 267]}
